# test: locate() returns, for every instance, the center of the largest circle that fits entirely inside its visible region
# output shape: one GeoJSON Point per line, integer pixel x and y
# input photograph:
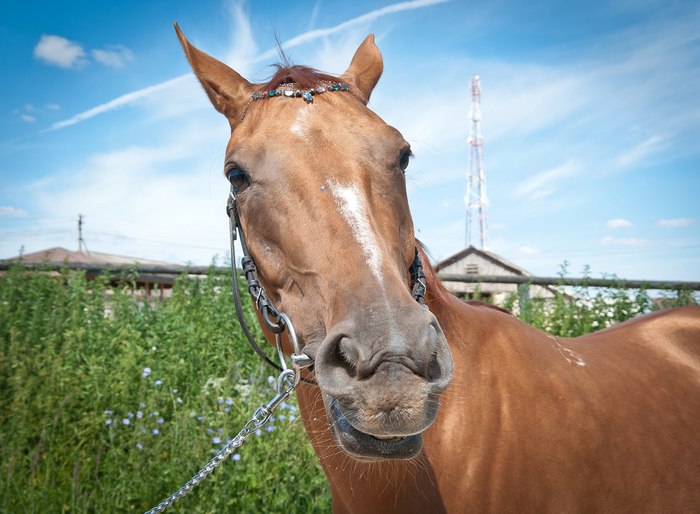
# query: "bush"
{"type": "Point", "coordinates": [113, 412]}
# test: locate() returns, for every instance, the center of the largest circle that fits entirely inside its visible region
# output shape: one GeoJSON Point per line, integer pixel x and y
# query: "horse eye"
{"type": "Point", "coordinates": [404, 160]}
{"type": "Point", "coordinates": [238, 178]}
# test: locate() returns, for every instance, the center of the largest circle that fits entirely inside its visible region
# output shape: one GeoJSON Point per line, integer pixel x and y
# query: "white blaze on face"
{"type": "Point", "coordinates": [301, 122]}
{"type": "Point", "coordinates": [352, 208]}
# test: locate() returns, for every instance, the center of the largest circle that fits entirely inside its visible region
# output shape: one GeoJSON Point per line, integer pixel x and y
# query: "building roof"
{"type": "Point", "coordinates": [60, 255]}
{"type": "Point", "coordinates": [489, 256]}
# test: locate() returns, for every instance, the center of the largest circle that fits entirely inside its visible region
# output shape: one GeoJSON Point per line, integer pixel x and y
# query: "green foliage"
{"type": "Point", "coordinates": [582, 309]}
{"type": "Point", "coordinates": [109, 405]}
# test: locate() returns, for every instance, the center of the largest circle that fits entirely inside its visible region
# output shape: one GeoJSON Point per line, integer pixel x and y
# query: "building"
{"type": "Point", "coordinates": [95, 262]}
{"type": "Point", "coordinates": [472, 261]}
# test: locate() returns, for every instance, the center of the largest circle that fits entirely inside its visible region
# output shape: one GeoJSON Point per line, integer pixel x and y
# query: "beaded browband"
{"type": "Point", "coordinates": [290, 91]}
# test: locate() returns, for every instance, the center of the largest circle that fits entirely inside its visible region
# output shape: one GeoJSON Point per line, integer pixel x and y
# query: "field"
{"type": "Point", "coordinates": [112, 412]}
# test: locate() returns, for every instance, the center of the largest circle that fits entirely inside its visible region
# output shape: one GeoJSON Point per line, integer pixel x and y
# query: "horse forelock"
{"type": "Point", "coordinates": [302, 76]}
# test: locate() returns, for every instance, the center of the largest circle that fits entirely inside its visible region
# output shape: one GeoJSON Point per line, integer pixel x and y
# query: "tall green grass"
{"type": "Point", "coordinates": [111, 413]}
{"type": "Point", "coordinates": [109, 406]}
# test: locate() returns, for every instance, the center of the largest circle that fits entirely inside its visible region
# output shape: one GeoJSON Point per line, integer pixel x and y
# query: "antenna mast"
{"type": "Point", "coordinates": [476, 200]}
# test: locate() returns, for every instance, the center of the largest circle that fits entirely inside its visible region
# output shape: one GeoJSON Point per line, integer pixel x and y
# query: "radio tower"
{"type": "Point", "coordinates": [476, 200]}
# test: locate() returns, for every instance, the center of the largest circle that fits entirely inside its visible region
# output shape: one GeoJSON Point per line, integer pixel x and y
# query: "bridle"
{"type": "Point", "coordinates": [273, 319]}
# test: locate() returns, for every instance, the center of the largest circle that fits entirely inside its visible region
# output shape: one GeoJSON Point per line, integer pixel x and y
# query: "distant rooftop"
{"type": "Point", "coordinates": [61, 255]}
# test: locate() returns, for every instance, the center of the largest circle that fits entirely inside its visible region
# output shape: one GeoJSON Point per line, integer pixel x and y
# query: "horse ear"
{"type": "Point", "coordinates": [366, 68]}
{"type": "Point", "coordinates": [227, 90]}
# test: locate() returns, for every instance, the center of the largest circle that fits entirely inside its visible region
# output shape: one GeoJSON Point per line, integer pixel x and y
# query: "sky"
{"type": "Point", "coordinates": [590, 119]}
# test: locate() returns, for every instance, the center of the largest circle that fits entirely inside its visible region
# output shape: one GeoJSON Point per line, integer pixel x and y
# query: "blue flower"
{"type": "Point", "coordinates": [200, 418]}
{"type": "Point", "coordinates": [258, 432]}
{"type": "Point", "coordinates": [108, 422]}
{"type": "Point", "coordinates": [270, 428]}
{"type": "Point", "coordinates": [160, 421]}
{"type": "Point", "coordinates": [236, 457]}
{"type": "Point", "coordinates": [292, 417]}
{"type": "Point", "coordinates": [139, 414]}
{"type": "Point", "coordinates": [130, 414]}
{"type": "Point", "coordinates": [146, 372]}
{"type": "Point", "coordinates": [108, 412]}
{"type": "Point", "coordinates": [158, 382]}
{"type": "Point", "coordinates": [139, 446]}
{"type": "Point", "coordinates": [126, 421]}
{"type": "Point", "coordinates": [155, 431]}
{"type": "Point", "coordinates": [216, 440]}
{"type": "Point", "coordinates": [229, 401]}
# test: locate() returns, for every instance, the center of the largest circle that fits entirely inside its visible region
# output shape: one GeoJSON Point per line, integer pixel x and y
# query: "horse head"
{"type": "Point", "coordinates": [321, 195]}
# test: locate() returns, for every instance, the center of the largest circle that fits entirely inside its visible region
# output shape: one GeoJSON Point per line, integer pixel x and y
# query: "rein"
{"type": "Point", "coordinates": [277, 322]}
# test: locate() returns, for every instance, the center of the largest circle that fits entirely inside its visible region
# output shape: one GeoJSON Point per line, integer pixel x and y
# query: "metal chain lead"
{"type": "Point", "coordinates": [285, 386]}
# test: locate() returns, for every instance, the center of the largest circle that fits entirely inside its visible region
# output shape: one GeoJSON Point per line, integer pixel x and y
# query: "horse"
{"type": "Point", "coordinates": [437, 405]}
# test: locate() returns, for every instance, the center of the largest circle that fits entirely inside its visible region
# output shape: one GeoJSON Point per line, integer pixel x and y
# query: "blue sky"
{"type": "Point", "coordinates": [590, 114]}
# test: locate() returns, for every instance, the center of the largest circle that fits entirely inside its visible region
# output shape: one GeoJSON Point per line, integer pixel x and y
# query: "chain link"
{"type": "Point", "coordinates": [285, 386]}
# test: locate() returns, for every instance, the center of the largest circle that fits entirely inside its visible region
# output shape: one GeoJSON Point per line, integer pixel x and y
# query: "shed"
{"type": "Point", "coordinates": [473, 261]}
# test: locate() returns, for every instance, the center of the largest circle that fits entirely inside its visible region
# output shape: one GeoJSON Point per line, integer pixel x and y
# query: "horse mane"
{"type": "Point", "coordinates": [301, 76]}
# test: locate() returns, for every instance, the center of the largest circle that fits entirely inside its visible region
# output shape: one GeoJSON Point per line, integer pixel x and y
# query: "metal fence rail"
{"type": "Point", "coordinates": [569, 281]}
{"type": "Point", "coordinates": [93, 269]}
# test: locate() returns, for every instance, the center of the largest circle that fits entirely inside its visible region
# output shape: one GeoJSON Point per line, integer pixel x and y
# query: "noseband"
{"type": "Point", "coordinates": [273, 319]}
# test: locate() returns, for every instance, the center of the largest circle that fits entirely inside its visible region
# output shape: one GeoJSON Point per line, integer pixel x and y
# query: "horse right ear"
{"type": "Point", "coordinates": [227, 90]}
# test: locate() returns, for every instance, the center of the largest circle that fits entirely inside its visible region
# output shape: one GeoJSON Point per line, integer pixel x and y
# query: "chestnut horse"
{"type": "Point", "coordinates": [527, 422]}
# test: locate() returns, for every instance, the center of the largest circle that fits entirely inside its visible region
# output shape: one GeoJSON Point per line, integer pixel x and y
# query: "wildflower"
{"type": "Point", "coordinates": [160, 421]}
{"type": "Point", "coordinates": [142, 405]}
{"type": "Point", "coordinates": [154, 413]}
{"type": "Point", "coordinates": [154, 348]}
{"type": "Point", "coordinates": [270, 428]}
{"type": "Point", "coordinates": [146, 372]}
{"type": "Point", "coordinates": [227, 409]}
{"type": "Point", "coordinates": [178, 400]}
{"type": "Point", "coordinates": [174, 391]}
{"type": "Point", "coordinates": [216, 440]}
{"type": "Point", "coordinates": [155, 431]}
{"type": "Point", "coordinates": [108, 422]}
{"type": "Point", "coordinates": [210, 431]}
{"type": "Point", "coordinates": [272, 419]}
{"type": "Point", "coordinates": [126, 421]}
{"type": "Point", "coordinates": [236, 457]}
{"type": "Point", "coordinates": [229, 401]}
{"type": "Point", "coordinates": [220, 401]}
{"type": "Point", "coordinates": [139, 414]}
{"type": "Point", "coordinates": [139, 446]}
{"type": "Point", "coordinates": [220, 430]}
{"type": "Point", "coordinates": [200, 418]}
{"type": "Point", "coordinates": [270, 380]}
{"type": "Point", "coordinates": [282, 417]}
{"type": "Point", "coordinates": [158, 382]}
{"type": "Point", "coordinates": [258, 432]}
{"type": "Point", "coordinates": [292, 417]}
{"type": "Point", "coordinates": [130, 414]}
{"type": "Point", "coordinates": [143, 430]}
{"type": "Point", "coordinates": [108, 412]}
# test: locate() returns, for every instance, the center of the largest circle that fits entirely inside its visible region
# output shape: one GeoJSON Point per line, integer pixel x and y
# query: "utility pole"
{"type": "Point", "coordinates": [81, 241]}
{"type": "Point", "coordinates": [476, 200]}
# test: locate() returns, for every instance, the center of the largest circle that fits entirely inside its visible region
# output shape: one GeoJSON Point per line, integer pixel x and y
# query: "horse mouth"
{"type": "Point", "coordinates": [368, 447]}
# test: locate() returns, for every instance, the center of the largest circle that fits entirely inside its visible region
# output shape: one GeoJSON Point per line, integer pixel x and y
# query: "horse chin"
{"type": "Point", "coordinates": [364, 446]}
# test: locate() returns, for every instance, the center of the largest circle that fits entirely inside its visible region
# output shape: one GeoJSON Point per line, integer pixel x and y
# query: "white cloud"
{"type": "Point", "coordinates": [116, 56]}
{"type": "Point", "coordinates": [12, 212]}
{"type": "Point", "coordinates": [630, 241]}
{"type": "Point", "coordinates": [53, 107]}
{"type": "Point", "coordinates": [59, 51]}
{"type": "Point", "coordinates": [28, 118]}
{"type": "Point", "coordinates": [675, 223]}
{"type": "Point", "coordinates": [619, 223]}
{"type": "Point", "coordinates": [528, 250]}
{"type": "Point", "coordinates": [644, 149]}
{"type": "Point", "coordinates": [239, 16]}
{"type": "Point", "coordinates": [544, 183]}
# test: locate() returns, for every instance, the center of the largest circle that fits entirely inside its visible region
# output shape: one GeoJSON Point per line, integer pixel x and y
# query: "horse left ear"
{"type": "Point", "coordinates": [228, 91]}
{"type": "Point", "coordinates": [365, 69]}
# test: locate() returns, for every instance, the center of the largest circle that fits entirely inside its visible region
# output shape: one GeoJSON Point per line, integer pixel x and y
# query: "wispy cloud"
{"type": "Point", "coordinates": [619, 223]}
{"type": "Point", "coordinates": [545, 183]}
{"type": "Point", "coordinates": [59, 51]}
{"type": "Point", "coordinates": [242, 61]}
{"type": "Point", "coordinates": [629, 241]}
{"type": "Point", "coordinates": [120, 101]}
{"type": "Point", "coordinates": [528, 250]}
{"type": "Point", "coordinates": [644, 149]}
{"type": "Point", "coordinates": [675, 223]}
{"type": "Point", "coordinates": [12, 212]}
{"type": "Point", "coordinates": [116, 56]}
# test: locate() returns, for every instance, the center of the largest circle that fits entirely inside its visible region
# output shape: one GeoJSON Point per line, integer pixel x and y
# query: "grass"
{"type": "Point", "coordinates": [112, 412]}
